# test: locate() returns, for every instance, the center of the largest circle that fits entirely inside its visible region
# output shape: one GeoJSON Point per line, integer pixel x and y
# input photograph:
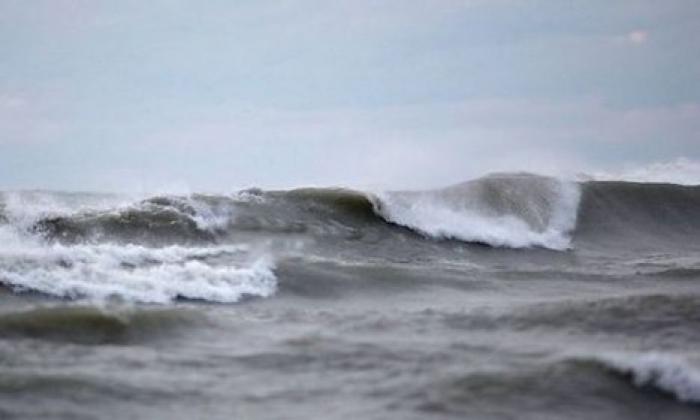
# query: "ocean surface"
{"type": "Point", "coordinates": [512, 296]}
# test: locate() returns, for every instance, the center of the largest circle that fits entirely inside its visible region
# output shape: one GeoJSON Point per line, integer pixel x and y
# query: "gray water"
{"type": "Point", "coordinates": [511, 296]}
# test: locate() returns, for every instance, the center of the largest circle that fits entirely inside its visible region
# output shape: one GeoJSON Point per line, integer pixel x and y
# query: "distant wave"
{"type": "Point", "coordinates": [517, 210]}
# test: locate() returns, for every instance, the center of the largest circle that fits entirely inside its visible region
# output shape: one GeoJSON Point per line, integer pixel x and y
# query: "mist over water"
{"type": "Point", "coordinates": [507, 296]}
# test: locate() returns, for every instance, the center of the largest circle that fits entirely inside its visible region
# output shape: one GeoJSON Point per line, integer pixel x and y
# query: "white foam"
{"type": "Point", "coordinates": [681, 171]}
{"type": "Point", "coordinates": [135, 273]}
{"type": "Point", "coordinates": [667, 372]}
{"type": "Point", "coordinates": [438, 215]}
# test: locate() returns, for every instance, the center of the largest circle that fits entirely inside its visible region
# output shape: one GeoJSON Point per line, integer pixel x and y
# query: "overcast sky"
{"type": "Point", "coordinates": [219, 95]}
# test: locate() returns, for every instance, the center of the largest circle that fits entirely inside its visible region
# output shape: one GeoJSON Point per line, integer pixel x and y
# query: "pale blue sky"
{"type": "Point", "coordinates": [218, 95]}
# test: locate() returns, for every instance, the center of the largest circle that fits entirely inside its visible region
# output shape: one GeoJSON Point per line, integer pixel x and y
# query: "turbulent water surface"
{"type": "Point", "coordinates": [510, 296]}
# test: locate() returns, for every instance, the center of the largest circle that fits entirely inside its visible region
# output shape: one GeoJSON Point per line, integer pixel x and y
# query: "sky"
{"type": "Point", "coordinates": [220, 95]}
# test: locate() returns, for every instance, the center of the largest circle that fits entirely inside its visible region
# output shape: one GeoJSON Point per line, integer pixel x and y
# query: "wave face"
{"type": "Point", "coordinates": [224, 247]}
{"type": "Point", "coordinates": [639, 215]}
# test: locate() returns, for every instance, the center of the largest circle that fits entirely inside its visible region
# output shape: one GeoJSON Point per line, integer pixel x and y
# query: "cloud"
{"type": "Point", "coordinates": [637, 37]}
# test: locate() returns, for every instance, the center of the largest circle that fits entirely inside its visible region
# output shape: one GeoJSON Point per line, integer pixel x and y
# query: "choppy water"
{"type": "Point", "coordinates": [510, 296]}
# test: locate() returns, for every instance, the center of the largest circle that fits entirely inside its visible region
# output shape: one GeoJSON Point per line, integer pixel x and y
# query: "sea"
{"type": "Point", "coordinates": [510, 296]}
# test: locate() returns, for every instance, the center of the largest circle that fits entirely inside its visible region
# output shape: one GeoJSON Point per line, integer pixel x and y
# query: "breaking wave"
{"type": "Point", "coordinates": [516, 211]}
